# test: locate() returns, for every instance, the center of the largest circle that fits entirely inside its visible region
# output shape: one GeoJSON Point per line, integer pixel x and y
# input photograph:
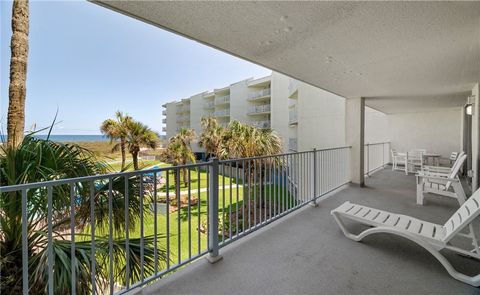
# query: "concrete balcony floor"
{"type": "Point", "coordinates": [306, 253]}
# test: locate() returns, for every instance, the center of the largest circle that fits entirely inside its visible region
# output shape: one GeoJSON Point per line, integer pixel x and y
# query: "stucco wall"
{"type": "Point", "coordinates": [279, 108]}
{"type": "Point", "coordinates": [437, 131]}
{"type": "Point", "coordinates": [376, 126]}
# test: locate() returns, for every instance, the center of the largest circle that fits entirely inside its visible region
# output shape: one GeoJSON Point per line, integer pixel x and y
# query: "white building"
{"type": "Point", "coordinates": [304, 116]}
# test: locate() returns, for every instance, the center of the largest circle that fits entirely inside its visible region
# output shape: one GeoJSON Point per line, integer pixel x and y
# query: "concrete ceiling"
{"type": "Point", "coordinates": [426, 51]}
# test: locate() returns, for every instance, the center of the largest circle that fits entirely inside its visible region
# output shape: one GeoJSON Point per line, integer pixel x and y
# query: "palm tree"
{"type": "Point", "coordinates": [117, 129]}
{"type": "Point", "coordinates": [37, 160]}
{"type": "Point", "coordinates": [179, 150]}
{"type": "Point", "coordinates": [18, 72]}
{"type": "Point", "coordinates": [139, 135]}
{"type": "Point", "coordinates": [211, 137]}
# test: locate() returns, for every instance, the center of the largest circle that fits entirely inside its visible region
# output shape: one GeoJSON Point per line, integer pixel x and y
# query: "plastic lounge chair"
{"type": "Point", "coordinates": [432, 237]}
{"type": "Point", "coordinates": [446, 183]}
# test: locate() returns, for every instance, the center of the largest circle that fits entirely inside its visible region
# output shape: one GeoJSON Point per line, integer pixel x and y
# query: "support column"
{"type": "Point", "coordinates": [355, 137]}
{"type": "Point", "coordinates": [475, 136]}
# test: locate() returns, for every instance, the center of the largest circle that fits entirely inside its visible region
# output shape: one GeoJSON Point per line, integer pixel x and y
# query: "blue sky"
{"type": "Point", "coordinates": [88, 62]}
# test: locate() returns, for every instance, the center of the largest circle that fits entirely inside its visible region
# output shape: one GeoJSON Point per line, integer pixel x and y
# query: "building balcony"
{"type": "Point", "coordinates": [222, 100]}
{"type": "Point", "coordinates": [259, 95]}
{"type": "Point", "coordinates": [261, 124]}
{"type": "Point", "coordinates": [293, 116]}
{"type": "Point", "coordinates": [164, 112]}
{"type": "Point", "coordinates": [164, 121]}
{"type": "Point", "coordinates": [164, 129]}
{"type": "Point", "coordinates": [209, 105]}
{"type": "Point", "coordinates": [222, 113]}
{"type": "Point", "coordinates": [292, 88]}
{"type": "Point", "coordinates": [292, 144]}
{"type": "Point", "coordinates": [261, 109]}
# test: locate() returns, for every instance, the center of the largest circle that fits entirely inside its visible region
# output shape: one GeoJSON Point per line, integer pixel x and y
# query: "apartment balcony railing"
{"type": "Point", "coordinates": [164, 121]}
{"type": "Point", "coordinates": [292, 87]}
{"type": "Point", "coordinates": [293, 116]}
{"type": "Point", "coordinates": [222, 113]}
{"type": "Point", "coordinates": [261, 124]}
{"type": "Point", "coordinates": [222, 99]}
{"type": "Point", "coordinates": [209, 105]}
{"type": "Point", "coordinates": [172, 225]}
{"type": "Point", "coordinates": [377, 156]}
{"type": "Point", "coordinates": [259, 94]}
{"type": "Point", "coordinates": [259, 109]}
{"type": "Point", "coordinates": [164, 129]}
{"type": "Point", "coordinates": [292, 144]}
{"type": "Point", "coordinates": [164, 112]}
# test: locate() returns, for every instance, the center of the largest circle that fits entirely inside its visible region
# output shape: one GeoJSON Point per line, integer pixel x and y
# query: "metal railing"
{"type": "Point", "coordinates": [292, 86]}
{"type": "Point", "coordinates": [377, 156]}
{"type": "Point", "coordinates": [222, 99]}
{"type": "Point", "coordinates": [292, 144]}
{"type": "Point", "coordinates": [259, 109]}
{"type": "Point", "coordinates": [293, 116]}
{"type": "Point", "coordinates": [222, 113]}
{"type": "Point", "coordinates": [128, 229]}
{"type": "Point", "coordinates": [209, 105]}
{"type": "Point", "coordinates": [261, 124]}
{"type": "Point", "coordinates": [257, 94]}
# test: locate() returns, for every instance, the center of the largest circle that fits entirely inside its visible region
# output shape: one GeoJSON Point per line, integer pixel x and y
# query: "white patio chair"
{"type": "Point", "coordinates": [432, 237]}
{"type": "Point", "coordinates": [399, 159]}
{"type": "Point", "coordinates": [415, 160]}
{"type": "Point", "coordinates": [444, 183]}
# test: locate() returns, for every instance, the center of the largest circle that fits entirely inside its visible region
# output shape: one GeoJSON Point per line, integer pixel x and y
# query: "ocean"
{"type": "Point", "coordinates": [74, 138]}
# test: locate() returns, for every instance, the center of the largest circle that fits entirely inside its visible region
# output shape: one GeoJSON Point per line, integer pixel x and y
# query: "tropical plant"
{"type": "Point", "coordinates": [211, 138]}
{"type": "Point", "coordinates": [37, 160]}
{"type": "Point", "coordinates": [139, 135]}
{"type": "Point", "coordinates": [18, 72]}
{"type": "Point", "coordinates": [179, 150]}
{"type": "Point", "coordinates": [117, 129]}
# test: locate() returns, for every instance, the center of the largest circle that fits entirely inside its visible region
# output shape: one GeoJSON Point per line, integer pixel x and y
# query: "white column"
{"type": "Point", "coordinates": [355, 137]}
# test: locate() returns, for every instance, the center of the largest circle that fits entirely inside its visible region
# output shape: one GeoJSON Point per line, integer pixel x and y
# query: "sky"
{"type": "Point", "coordinates": [88, 62]}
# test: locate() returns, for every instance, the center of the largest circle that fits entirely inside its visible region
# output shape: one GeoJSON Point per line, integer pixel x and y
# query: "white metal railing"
{"type": "Point", "coordinates": [293, 116]}
{"type": "Point", "coordinates": [164, 112]}
{"type": "Point", "coordinates": [222, 99]}
{"type": "Point", "coordinates": [259, 109]}
{"type": "Point", "coordinates": [222, 113]}
{"type": "Point", "coordinates": [292, 86]}
{"type": "Point", "coordinates": [209, 105]}
{"type": "Point", "coordinates": [124, 246]}
{"type": "Point", "coordinates": [292, 144]}
{"type": "Point", "coordinates": [261, 93]}
{"type": "Point", "coordinates": [377, 156]}
{"type": "Point", "coordinates": [164, 129]}
{"type": "Point", "coordinates": [164, 121]}
{"type": "Point", "coordinates": [261, 124]}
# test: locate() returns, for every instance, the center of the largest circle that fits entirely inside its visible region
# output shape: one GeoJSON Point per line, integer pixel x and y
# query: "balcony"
{"type": "Point", "coordinates": [292, 88]}
{"type": "Point", "coordinates": [164, 112]}
{"type": "Point", "coordinates": [259, 95]}
{"type": "Point", "coordinates": [292, 144]}
{"type": "Point", "coordinates": [261, 124]}
{"type": "Point", "coordinates": [293, 116]}
{"type": "Point", "coordinates": [221, 100]}
{"type": "Point", "coordinates": [209, 105]}
{"type": "Point", "coordinates": [164, 121]}
{"type": "Point", "coordinates": [222, 113]}
{"type": "Point", "coordinates": [164, 129]}
{"type": "Point", "coordinates": [261, 109]}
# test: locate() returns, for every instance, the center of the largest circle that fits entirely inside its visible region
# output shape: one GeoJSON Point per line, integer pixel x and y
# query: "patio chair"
{"type": "Point", "coordinates": [432, 237]}
{"type": "Point", "coordinates": [399, 158]}
{"type": "Point", "coordinates": [441, 182]}
{"type": "Point", "coordinates": [415, 160]}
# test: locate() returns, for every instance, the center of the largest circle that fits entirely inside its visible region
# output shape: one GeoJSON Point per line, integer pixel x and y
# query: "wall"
{"type": "Point", "coordinates": [171, 119]}
{"type": "Point", "coordinates": [321, 118]}
{"type": "Point", "coordinates": [376, 126]}
{"type": "Point", "coordinates": [475, 136]}
{"type": "Point", "coordinates": [437, 131]}
{"type": "Point", "coordinates": [279, 108]}
{"type": "Point", "coordinates": [196, 113]}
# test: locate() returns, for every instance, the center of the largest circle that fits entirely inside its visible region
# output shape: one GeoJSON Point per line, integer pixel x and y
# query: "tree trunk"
{"type": "Point", "coordinates": [18, 73]}
{"type": "Point", "coordinates": [122, 149]}
{"type": "Point", "coordinates": [135, 160]}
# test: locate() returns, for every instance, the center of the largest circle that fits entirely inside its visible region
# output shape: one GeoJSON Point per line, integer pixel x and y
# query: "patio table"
{"type": "Point", "coordinates": [435, 158]}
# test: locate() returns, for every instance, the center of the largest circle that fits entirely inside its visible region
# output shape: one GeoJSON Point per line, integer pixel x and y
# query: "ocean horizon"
{"type": "Point", "coordinates": [73, 138]}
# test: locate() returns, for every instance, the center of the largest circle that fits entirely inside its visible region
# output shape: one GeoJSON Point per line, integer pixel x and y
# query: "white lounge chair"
{"type": "Point", "coordinates": [443, 182]}
{"type": "Point", "coordinates": [433, 237]}
{"type": "Point", "coordinates": [399, 159]}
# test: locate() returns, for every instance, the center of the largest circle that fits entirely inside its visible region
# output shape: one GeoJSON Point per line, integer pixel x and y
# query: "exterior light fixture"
{"type": "Point", "coordinates": [469, 105]}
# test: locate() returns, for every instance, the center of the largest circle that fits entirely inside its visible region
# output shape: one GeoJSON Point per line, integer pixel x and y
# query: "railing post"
{"type": "Point", "coordinates": [213, 256]}
{"type": "Point", "coordinates": [314, 201]}
{"type": "Point", "coordinates": [368, 159]}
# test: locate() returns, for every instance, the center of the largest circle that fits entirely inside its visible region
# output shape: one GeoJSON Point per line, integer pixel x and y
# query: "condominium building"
{"type": "Point", "coordinates": [304, 116]}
